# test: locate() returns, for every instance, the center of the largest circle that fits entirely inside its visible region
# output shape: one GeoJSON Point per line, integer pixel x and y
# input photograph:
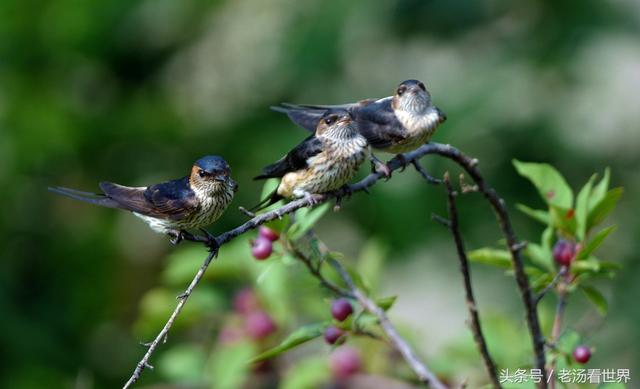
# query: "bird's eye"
{"type": "Point", "coordinates": [401, 90]}
{"type": "Point", "coordinates": [202, 173]}
{"type": "Point", "coordinates": [330, 120]}
{"type": "Point", "coordinates": [421, 85]}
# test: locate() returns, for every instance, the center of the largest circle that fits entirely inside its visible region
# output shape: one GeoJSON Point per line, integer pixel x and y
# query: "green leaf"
{"type": "Point", "coordinates": [550, 184]}
{"type": "Point", "coordinates": [547, 238]}
{"type": "Point", "coordinates": [386, 302]}
{"type": "Point", "coordinates": [305, 220]}
{"type": "Point", "coordinates": [563, 219]}
{"type": "Point", "coordinates": [371, 262]}
{"type": "Point", "coordinates": [229, 365]}
{"type": "Point", "coordinates": [537, 214]}
{"type": "Point", "coordinates": [590, 264]}
{"type": "Point", "coordinates": [568, 341]}
{"type": "Point", "coordinates": [599, 191]}
{"type": "Point", "coordinates": [492, 257]}
{"type": "Point", "coordinates": [296, 338]}
{"type": "Point", "coordinates": [594, 242]}
{"type": "Point", "coordinates": [582, 208]}
{"type": "Point", "coordinates": [596, 298]}
{"type": "Point", "coordinates": [604, 207]}
{"type": "Point", "coordinates": [540, 256]}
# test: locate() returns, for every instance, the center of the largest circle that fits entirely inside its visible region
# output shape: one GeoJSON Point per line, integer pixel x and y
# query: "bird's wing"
{"type": "Point", "coordinates": [168, 200]}
{"type": "Point", "coordinates": [307, 116]}
{"type": "Point", "coordinates": [378, 123]}
{"type": "Point", "coordinates": [295, 160]}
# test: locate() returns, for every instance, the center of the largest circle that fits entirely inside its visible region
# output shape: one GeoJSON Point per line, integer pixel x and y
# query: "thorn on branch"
{"type": "Point", "coordinates": [466, 188]}
{"type": "Point", "coordinates": [246, 212]}
{"type": "Point", "coordinates": [519, 246]}
{"type": "Point", "coordinates": [442, 220]}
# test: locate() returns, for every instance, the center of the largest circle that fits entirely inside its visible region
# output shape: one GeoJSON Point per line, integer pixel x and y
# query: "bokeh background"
{"type": "Point", "coordinates": [135, 91]}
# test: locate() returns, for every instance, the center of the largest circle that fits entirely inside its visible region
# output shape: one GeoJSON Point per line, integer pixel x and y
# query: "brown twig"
{"type": "Point", "coordinates": [515, 247]}
{"type": "Point", "coordinates": [424, 374]}
{"type": "Point", "coordinates": [447, 151]}
{"type": "Point", "coordinates": [476, 328]}
{"type": "Point", "coordinates": [316, 272]}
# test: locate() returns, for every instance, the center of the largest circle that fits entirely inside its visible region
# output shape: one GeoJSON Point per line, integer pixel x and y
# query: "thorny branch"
{"type": "Point", "coordinates": [447, 151]}
{"type": "Point", "coordinates": [424, 374]}
{"type": "Point", "coordinates": [476, 328]}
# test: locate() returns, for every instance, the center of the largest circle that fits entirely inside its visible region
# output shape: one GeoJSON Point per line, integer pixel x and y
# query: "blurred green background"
{"type": "Point", "coordinates": [135, 91]}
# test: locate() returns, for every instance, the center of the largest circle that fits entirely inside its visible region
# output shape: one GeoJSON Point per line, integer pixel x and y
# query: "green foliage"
{"type": "Point", "coordinates": [296, 338]}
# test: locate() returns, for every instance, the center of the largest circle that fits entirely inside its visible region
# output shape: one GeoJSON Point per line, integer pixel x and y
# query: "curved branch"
{"type": "Point", "coordinates": [476, 329]}
{"type": "Point", "coordinates": [498, 205]}
{"type": "Point", "coordinates": [432, 148]}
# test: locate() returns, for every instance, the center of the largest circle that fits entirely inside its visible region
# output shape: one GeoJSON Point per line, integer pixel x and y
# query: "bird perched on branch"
{"type": "Point", "coordinates": [323, 162]}
{"type": "Point", "coordinates": [394, 124]}
{"type": "Point", "coordinates": [175, 206]}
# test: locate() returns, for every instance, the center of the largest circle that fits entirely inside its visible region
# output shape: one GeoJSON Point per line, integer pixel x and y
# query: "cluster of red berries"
{"type": "Point", "coordinates": [257, 324]}
{"type": "Point", "coordinates": [345, 361]}
{"type": "Point", "coordinates": [262, 247]}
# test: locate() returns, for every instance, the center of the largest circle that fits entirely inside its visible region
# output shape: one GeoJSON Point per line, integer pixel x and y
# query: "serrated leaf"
{"type": "Point", "coordinates": [596, 298]}
{"type": "Point", "coordinates": [582, 208]}
{"type": "Point", "coordinates": [492, 257]}
{"type": "Point", "coordinates": [604, 207]}
{"type": "Point", "coordinates": [305, 220]}
{"type": "Point", "coordinates": [550, 183]}
{"type": "Point", "coordinates": [386, 302]}
{"type": "Point", "coordinates": [296, 338]}
{"type": "Point", "coordinates": [536, 214]}
{"type": "Point", "coordinates": [594, 242]}
{"type": "Point", "coordinates": [600, 190]}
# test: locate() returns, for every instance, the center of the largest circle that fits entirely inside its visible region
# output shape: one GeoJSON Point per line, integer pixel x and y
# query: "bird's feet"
{"type": "Point", "coordinates": [377, 166]}
{"type": "Point", "coordinates": [312, 199]}
{"type": "Point", "coordinates": [344, 191]}
{"type": "Point", "coordinates": [402, 160]}
{"type": "Point", "coordinates": [176, 236]}
{"type": "Point", "coordinates": [211, 242]}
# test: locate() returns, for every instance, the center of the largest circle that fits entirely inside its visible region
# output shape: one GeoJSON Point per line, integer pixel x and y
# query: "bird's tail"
{"type": "Point", "coordinates": [93, 198]}
{"type": "Point", "coordinates": [271, 199]}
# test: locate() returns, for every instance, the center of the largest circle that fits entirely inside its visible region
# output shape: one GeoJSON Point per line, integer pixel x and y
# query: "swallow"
{"type": "Point", "coordinates": [394, 124]}
{"type": "Point", "coordinates": [323, 162]}
{"type": "Point", "coordinates": [171, 207]}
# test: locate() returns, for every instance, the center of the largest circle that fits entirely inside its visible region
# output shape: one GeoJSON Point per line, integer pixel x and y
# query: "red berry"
{"type": "Point", "coordinates": [345, 361]}
{"type": "Point", "coordinates": [268, 233]}
{"type": "Point", "coordinates": [262, 248]}
{"type": "Point", "coordinates": [259, 325]}
{"type": "Point", "coordinates": [333, 334]}
{"type": "Point", "coordinates": [245, 301]}
{"type": "Point", "coordinates": [564, 252]}
{"type": "Point", "coordinates": [341, 309]}
{"type": "Point", "coordinates": [582, 354]}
